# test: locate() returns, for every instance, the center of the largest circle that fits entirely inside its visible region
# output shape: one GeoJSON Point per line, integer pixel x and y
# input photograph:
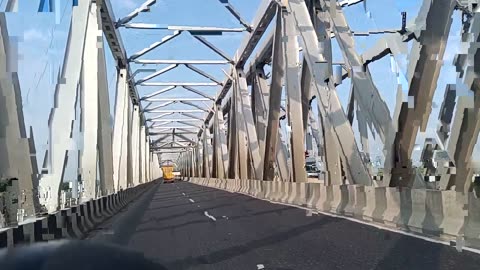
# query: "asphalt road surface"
{"type": "Point", "coordinates": [185, 226]}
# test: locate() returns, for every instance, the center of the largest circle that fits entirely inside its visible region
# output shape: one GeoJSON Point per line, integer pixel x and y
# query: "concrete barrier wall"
{"type": "Point", "coordinates": [449, 215]}
{"type": "Point", "coordinates": [74, 222]}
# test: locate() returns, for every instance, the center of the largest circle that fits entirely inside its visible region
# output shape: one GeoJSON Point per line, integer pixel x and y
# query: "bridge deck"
{"type": "Point", "coordinates": [173, 224]}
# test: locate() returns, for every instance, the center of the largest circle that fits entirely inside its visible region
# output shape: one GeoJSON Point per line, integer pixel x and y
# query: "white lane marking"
{"type": "Point", "coordinates": [209, 216]}
{"type": "Point", "coordinates": [260, 266]}
{"type": "Point", "coordinates": [183, 194]}
{"type": "Point", "coordinates": [225, 217]}
{"type": "Point", "coordinates": [192, 201]}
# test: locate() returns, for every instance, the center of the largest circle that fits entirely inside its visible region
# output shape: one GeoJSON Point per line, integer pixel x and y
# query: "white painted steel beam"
{"type": "Point", "coordinates": [177, 111]}
{"type": "Point", "coordinates": [134, 142]}
{"type": "Point", "coordinates": [161, 91]}
{"type": "Point", "coordinates": [237, 15]}
{"type": "Point", "coordinates": [152, 47]}
{"type": "Point", "coordinates": [120, 130]}
{"type": "Point", "coordinates": [175, 120]}
{"type": "Point", "coordinates": [294, 96]}
{"type": "Point", "coordinates": [177, 99]}
{"type": "Point", "coordinates": [143, 8]}
{"type": "Point", "coordinates": [156, 74]}
{"type": "Point", "coordinates": [63, 113]}
{"type": "Point", "coordinates": [141, 155]}
{"type": "Point", "coordinates": [194, 30]}
{"type": "Point", "coordinates": [89, 89]}
{"type": "Point", "coordinates": [246, 110]}
{"type": "Point", "coordinates": [213, 48]}
{"type": "Point", "coordinates": [260, 95]}
{"type": "Point", "coordinates": [200, 93]}
{"type": "Point", "coordinates": [203, 73]}
{"type": "Point", "coordinates": [274, 101]}
{"type": "Point", "coordinates": [15, 151]}
{"type": "Point", "coordinates": [178, 84]}
{"type": "Point", "coordinates": [180, 62]}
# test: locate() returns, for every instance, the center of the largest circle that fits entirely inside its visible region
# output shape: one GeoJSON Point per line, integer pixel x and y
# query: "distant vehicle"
{"type": "Point", "coordinates": [177, 175]}
{"type": "Point", "coordinates": [312, 169]}
{"type": "Point", "coordinates": [168, 175]}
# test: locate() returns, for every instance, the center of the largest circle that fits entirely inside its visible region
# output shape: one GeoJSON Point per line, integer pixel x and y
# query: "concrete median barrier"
{"type": "Point", "coordinates": [339, 199]}
{"type": "Point", "coordinates": [444, 214]}
{"type": "Point", "coordinates": [314, 195]}
{"type": "Point", "coordinates": [356, 201]}
{"type": "Point", "coordinates": [391, 216]}
{"type": "Point", "coordinates": [472, 224]}
{"type": "Point", "coordinates": [455, 212]}
{"type": "Point", "coordinates": [73, 222]}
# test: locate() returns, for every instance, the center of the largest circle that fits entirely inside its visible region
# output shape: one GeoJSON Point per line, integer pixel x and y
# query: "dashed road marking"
{"type": "Point", "coordinates": [183, 194]}
{"type": "Point", "coordinates": [192, 201]}
{"type": "Point", "coordinates": [209, 216]}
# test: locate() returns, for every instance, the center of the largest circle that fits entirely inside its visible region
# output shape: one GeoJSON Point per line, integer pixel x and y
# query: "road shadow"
{"type": "Point", "coordinates": [238, 250]}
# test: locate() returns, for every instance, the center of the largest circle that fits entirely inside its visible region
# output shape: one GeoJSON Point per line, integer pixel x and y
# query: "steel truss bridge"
{"type": "Point", "coordinates": [276, 109]}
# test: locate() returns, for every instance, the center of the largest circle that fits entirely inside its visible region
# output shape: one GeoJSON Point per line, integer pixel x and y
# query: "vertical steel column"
{"type": "Point", "coordinates": [232, 140]}
{"type": "Point", "coordinates": [14, 145]}
{"type": "Point", "coordinates": [260, 92]}
{"type": "Point", "coordinates": [428, 53]}
{"type": "Point", "coordinates": [63, 112]}
{"type": "Point", "coordinates": [198, 160]}
{"type": "Point", "coordinates": [294, 96]}
{"type": "Point", "coordinates": [105, 153]}
{"type": "Point", "coordinates": [306, 85]}
{"type": "Point", "coordinates": [141, 155]}
{"type": "Point", "coordinates": [247, 115]}
{"type": "Point", "coordinates": [243, 164]}
{"type": "Point", "coordinates": [147, 159]}
{"type": "Point", "coordinates": [220, 157]}
{"type": "Point", "coordinates": [90, 83]}
{"type": "Point", "coordinates": [216, 166]}
{"type": "Point", "coordinates": [191, 170]}
{"type": "Point", "coordinates": [120, 132]}
{"type": "Point", "coordinates": [278, 72]}
{"type": "Point", "coordinates": [206, 153]}
{"type": "Point", "coordinates": [134, 133]}
{"type": "Point", "coordinates": [130, 171]}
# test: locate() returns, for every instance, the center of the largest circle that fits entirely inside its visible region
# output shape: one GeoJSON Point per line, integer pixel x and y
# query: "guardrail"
{"type": "Point", "coordinates": [444, 215]}
{"type": "Point", "coordinates": [74, 222]}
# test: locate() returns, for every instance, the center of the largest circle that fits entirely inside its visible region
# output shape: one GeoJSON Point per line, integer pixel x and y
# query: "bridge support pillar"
{"type": "Point", "coordinates": [15, 159]}
{"type": "Point", "coordinates": [120, 132]}
{"type": "Point", "coordinates": [63, 113]}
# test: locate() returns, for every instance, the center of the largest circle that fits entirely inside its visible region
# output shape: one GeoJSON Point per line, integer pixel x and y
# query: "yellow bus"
{"type": "Point", "coordinates": [168, 176]}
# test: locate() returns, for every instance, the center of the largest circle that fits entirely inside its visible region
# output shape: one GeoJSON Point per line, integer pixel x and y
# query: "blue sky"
{"type": "Point", "coordinates": [43, 47]}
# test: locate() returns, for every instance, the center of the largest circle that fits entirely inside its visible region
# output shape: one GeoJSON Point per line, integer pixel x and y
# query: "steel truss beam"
{"type": "Point", "coordinates": [194, 30]}
{"type": "Point", "coordinates": [17, 151]}
{"type": "Point", "coordinates": [329, 104]}
{"type": "Point", "coordinates": [436, 16]}
{"type": "Point", "coordinates": [178, 84]}
{"type": "Point", "coordinates": [466, 121]}
{"type": "Point", "coordinates": [273, 123]}
{"type": "Point", "coordinates": [369, 101]}
{"type": "Point", "coordinates": [264, 16]}
{"type": "Point", "coordinates": [181, 62]}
